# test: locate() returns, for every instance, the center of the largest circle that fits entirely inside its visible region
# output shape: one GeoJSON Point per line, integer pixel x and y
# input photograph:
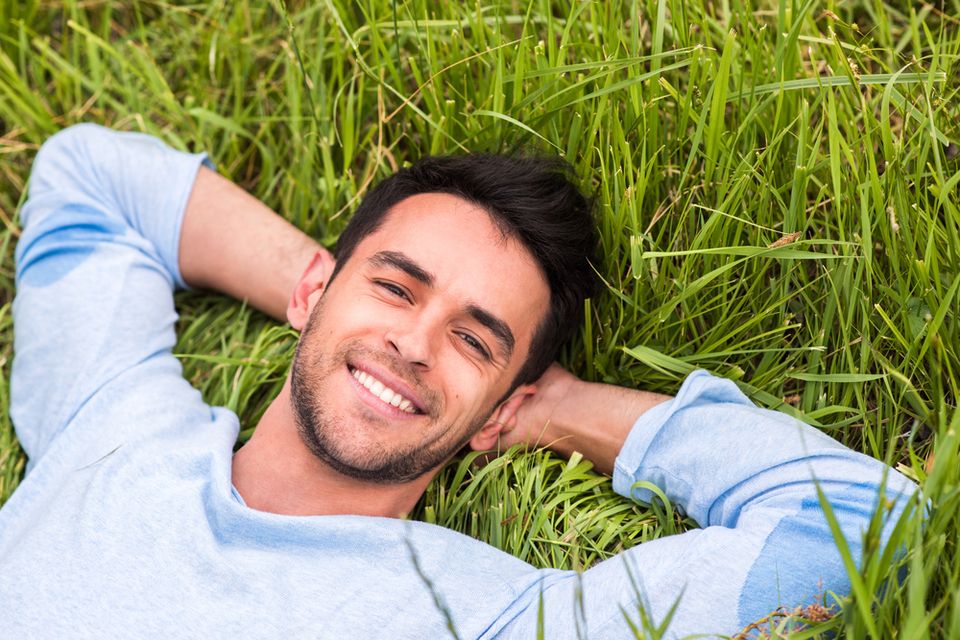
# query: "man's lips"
{"type": "Point", "coordinates": [387, 389]}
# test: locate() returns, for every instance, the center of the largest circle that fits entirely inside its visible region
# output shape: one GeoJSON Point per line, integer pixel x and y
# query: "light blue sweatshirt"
{"type": "Point", "coordinates": [127, 525]}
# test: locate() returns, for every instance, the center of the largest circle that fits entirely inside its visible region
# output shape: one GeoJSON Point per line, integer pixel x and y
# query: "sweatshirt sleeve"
{"type": "Point", "coordinates": [97, 263]}
{"type": "Point", "coordinates": [749, 477]}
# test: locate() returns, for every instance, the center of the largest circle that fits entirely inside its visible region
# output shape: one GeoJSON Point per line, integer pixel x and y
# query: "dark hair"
{"type": "Point", "coordinates": [533, 199]}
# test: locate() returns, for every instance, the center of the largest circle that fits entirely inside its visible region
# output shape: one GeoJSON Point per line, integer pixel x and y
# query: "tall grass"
{"type": "Point", "coordinates": [776, 185]}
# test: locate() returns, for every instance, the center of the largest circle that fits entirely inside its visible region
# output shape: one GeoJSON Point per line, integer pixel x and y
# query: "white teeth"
{"type": "Point", "coordinates": [385, 393]}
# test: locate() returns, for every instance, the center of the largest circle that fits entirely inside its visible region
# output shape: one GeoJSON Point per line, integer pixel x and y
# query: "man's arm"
{"type": "Point", "coordinates": [98, 260]}
{"type": "Point", "coordinates": [233, 243]}
{"type": "Point", "coordinates": [752, 478]}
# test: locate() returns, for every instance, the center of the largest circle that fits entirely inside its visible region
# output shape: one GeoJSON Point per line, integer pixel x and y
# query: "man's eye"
{"type": "Point", "coordinates": [475, 344]}
{"type": "Point", "coordinates": [393, 289]}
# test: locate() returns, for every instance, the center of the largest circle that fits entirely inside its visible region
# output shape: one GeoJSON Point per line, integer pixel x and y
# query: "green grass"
{"type": "Point", "coordinates": [776, 187]}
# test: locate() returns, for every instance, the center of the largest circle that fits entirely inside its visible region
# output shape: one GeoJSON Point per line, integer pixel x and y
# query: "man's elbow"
{"type": "Point", "coordinates": [65, 160]}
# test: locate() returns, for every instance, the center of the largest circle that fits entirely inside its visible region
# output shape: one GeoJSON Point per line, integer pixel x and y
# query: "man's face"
{"type": "Point", "coordinates": [408, 351]}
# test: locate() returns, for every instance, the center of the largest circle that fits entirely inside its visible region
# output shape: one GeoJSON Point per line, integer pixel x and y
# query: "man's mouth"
{"type": "Point", "coordinates": [385, 393]}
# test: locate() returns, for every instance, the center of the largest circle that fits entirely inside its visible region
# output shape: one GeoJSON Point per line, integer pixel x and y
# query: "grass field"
{"type": "Point", "coordinates": [776, 187]}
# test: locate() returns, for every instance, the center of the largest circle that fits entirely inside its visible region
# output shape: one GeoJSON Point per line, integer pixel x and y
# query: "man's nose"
{"type": "Point", "coordinates": [413, 341]}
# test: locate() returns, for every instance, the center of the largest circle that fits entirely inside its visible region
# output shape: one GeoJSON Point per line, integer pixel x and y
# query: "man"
{"type": "Point", "coordinates": [431, 331]}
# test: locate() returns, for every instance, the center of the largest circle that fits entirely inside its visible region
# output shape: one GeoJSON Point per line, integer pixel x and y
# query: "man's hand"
{"type": "Point", "coordinates": [567, 414]}
{"type": "Point", "coordinates": [531, 424]}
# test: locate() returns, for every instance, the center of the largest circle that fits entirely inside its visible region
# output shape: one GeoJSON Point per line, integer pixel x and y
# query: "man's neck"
{"type": "Point", "coordinates": [277, 473]}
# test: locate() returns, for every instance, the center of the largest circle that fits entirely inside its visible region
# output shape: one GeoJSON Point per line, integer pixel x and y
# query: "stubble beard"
{"type": "Point", "coordinates": [325, 437]}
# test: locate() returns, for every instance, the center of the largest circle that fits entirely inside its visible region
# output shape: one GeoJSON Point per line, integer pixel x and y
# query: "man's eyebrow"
{"type": "Point", "coordinates": [402, 262]}
{"type": "Point", "coordinates": [497, 327]}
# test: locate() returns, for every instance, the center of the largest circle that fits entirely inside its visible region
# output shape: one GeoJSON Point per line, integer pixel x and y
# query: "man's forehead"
{"type": "Point", "coordinates": [435, 217]}
{"type": "Point", "coordinates": [420, 206]}
{"type": "Point", "coordinates": [438, 223]}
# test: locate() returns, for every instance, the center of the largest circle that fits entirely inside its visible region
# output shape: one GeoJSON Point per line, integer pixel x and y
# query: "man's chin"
{"type": "Point", "coordinates": [376, 467]}
{"type": "Point", "coordinates": [397, 470]}
{"type": "Point", "coordinates": [359, 452]}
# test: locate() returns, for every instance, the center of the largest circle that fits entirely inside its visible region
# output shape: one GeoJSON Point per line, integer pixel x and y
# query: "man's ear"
{"type": "Point", "coordinates": [502, 420]}
{"type": "Point", "coordinates": [309, 289]}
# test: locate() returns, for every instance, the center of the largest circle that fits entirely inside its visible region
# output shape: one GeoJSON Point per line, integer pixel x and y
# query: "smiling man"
{"type": "Point", "coordinates": [457, 280]}
{"type": "Point", "coordinates": [405, 356]}
{"type": "Point", "coordinates": [430, 386]}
